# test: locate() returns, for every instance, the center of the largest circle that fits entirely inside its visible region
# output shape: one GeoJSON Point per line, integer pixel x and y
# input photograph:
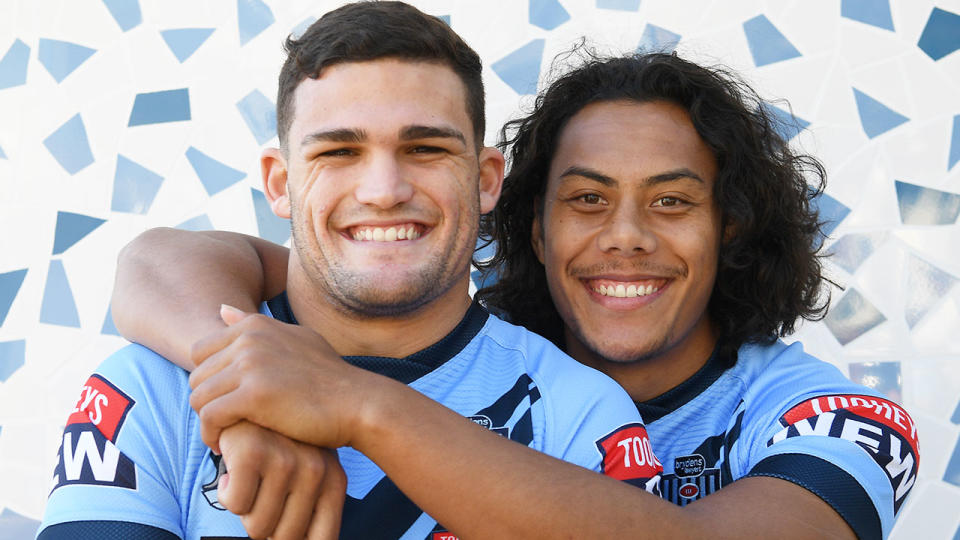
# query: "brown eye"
{"type": "Point", "coordinates": [667, 201]}
{"type": "Point", "coordinates": [590, 198]}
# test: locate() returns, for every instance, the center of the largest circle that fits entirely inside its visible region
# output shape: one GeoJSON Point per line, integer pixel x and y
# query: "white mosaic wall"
{"type": "Point", "coordinates": [120, 115]}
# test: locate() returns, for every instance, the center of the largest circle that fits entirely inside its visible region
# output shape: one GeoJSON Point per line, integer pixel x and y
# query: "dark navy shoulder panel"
{"type": "Point", "coordinates": [678, 396]}
{"type": "Point", "coordinates": [831, 483]}
{"type": "Point", "coordinates": [416, 365]}
{"type": "Point", "coordinates": [77, 530]}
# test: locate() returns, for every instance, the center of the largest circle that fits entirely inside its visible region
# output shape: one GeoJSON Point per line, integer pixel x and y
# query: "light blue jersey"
{"type": "Point", "coordinates": [132, 451]}
{"type": "Point", "coordinates": [780, 412]}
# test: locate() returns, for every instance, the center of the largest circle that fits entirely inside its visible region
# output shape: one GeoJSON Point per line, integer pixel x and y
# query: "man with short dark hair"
{"type": "Point", "coordinates": [383, 175]}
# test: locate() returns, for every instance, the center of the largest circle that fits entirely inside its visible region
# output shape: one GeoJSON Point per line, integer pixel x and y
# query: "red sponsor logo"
{"type": "Point", "coordinates": [444, 536]}
{"type": "Point", "coordinates": [627, 454]}
{"type": "Point", "coordinates": [689, 491]}
{"type": "Point", "coordinates": [103, 405]}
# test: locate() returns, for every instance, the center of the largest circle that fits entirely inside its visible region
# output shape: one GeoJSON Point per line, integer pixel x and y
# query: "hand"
{"type": "Point", "coordinates": [281, 376]}
{"type": "Point", "coordinates": [280, 488]}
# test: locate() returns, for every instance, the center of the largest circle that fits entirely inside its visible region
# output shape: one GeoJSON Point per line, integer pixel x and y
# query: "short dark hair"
{"type": "Point", "coordinates": [769, 270]}
{"type": "Point", "coordinates": [365, 31]}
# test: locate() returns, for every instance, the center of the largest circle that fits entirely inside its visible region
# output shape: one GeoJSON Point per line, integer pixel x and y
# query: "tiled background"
{"type": "Point", "coordinates": [120, 115]}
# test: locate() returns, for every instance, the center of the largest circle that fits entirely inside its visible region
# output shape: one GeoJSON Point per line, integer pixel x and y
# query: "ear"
{"type": "Point", "coordinates": [273, 169]}
{"type": "Point", "coordinates": [491, 178]}
{"type": "Point", "coordinates": [536, 231]}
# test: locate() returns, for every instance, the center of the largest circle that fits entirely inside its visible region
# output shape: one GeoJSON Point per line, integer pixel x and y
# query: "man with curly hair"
{"type": "Point", "coordinates": [657, 228]}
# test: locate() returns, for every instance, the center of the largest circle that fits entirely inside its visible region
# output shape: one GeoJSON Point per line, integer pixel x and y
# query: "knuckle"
{"type": "Point", "coordinates": [255, 525]}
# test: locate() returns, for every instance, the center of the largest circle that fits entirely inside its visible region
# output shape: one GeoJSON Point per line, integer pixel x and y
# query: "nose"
{"type": "Point", "coordinates": [626, 232]}
{"type": "Point", "coordinates": [383, 183]}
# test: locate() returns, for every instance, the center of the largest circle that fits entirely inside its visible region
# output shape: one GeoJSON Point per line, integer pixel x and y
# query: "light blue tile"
{"type": "Point", "coordinates": [547, 14]}
{"type": "Point", "coordinates": [13, 525]}
{"type": "Point", "coordinates": [767, 44]}
{"type": "Point", "coordinates": [941, 35]}
{"type": "Point", "coordinates": [875, 117]}
{"type": "Point", "coordinates": [956, 414]}
{"type": "Point", "coordinates": [831, 211]}
{"type": "Point", "coordinates": [253, 17]}
{"type": "Point", "coordinates": [656, 39]}
{"type": "Point", "coordinates": [134, 187]}
{"type": "Point", "coordinates": [12, 355]}
{"type": "Point", "coordinates": [884, 377]}
{"type": "Point", "coordinates": [956, 535]}
{"type": "Point", "coordinates": [852, 316]}
{"type": "Point", "coordinates": [199, 223]}
{"type": "Point", "coordinates": [851, 250]}
{"type": "Point", "coordinates": [2, 154]}
{"type": "Point", "coordinates": [298, 31]}
{"type": "Point", "coordinates": [10, 283]}
{"type": "Point", "coordinates": [954, 143]}
{"type": "Point", "coordinates": [521, 68]}
{"type": "Point", "coordinates": [926, 206]}
{"type": "Point", "coordinates": [183, 42]}
{"type": "Point", "coordinates": [214, 176]}
{"type": "Point", "coordinates": [61, 58]}
{"type": "Point", "coordinates": [69, 145]}
{"type": "Point", "coordinates": [260, 114]}
{"type": "Point", "coordinates": [928, 285]}
{"type": "Point", "coordinates": [71, 228]}
{"type": "Point", "coordinates": [623, 5]}
{"type": "Point", "coordinates": [109, 328]}
{"type": "Point", "coordinates": [270, 227]}
{"type": "Point", "coordinates": [872, 12]}
{"type": "Point", "coordinates": [125, 12]}
{"type": "Point", "coordinates": [444, 18]}
{"type": "Point", "coordinates": [13, 66]}
{"type": "Point", "coordinates": [952, 474]}
{"type": "Point", "coordinates": [786, 124]}
{"type": "Point", "coordinates": [58, 306]}
{"type": "Point", "coordinates": [160, 107]}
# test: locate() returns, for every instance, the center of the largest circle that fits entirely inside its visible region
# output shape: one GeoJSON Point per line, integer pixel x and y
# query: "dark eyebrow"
{"type": "Point", "coordinates": [430, 132]}
{"type": "Point", "coordinates": [588, 173]}
{"type": "Point", "coordinates": [343, 135]}
{"type": "Point", "coordinates": [668, 176]}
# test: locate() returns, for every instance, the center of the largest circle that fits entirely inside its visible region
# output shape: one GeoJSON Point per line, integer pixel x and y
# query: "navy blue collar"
{"type": "Point", "coordinates": [418, 364]}
{"type": "Point", "coordinates": [678, 396]}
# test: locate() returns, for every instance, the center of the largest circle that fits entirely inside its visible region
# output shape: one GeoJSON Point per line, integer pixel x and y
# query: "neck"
{"type": "Point", "coordinates": [654, 374]}
{"type": "Point", "coordinates": [352, 334]}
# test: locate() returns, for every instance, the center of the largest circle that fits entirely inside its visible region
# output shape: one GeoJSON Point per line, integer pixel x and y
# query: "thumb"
{"type": "Point", "coordinates": [231, 315]}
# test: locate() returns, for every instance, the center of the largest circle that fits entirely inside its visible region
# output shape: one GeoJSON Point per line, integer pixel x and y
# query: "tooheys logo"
{"type": "Point", "coordinates": [879, 426]}
{"type": "Point", "coordinates": [88, 454]}
{"type": "Point", "coordinates": [627, 456]}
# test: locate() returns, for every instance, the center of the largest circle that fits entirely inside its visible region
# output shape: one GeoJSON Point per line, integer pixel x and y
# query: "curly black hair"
{"type": "Point", "coordinates": [769, 271]}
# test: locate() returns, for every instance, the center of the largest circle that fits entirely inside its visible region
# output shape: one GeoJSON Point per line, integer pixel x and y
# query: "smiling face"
{"type": "Point", "coordinates": [384, 185]}
{"type": "Point", "coordinates": [630, 235]}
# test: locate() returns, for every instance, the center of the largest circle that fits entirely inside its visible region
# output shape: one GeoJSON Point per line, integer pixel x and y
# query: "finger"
{"type": "Point", "coordinates": [208, 387]}
{"type": "Point", "coordinates": [216, 415]}
{"type": "Point", "coordinates": [328, 510]}
{"type": "Point", "coordinates": [261, 521]}
{"type": "Point", "coordinates": [207, 346]}
{"type": "Point", "coordinates": [237, 488]}
{"type": "Point", "coordinates": [298, 508]}
{"type": "Point", "coordinates": [231, 315]}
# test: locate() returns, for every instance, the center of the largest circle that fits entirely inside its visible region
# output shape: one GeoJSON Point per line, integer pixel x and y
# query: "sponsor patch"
{"type": "Point", "coordinates": [879, 426]}
{"type": "Point", "coordinates": [103, 405]}
{"type": "Point", "coordinates": [686, 466]}
{"type": "Point", "coordinates": [628, 456]}
{"type": "Point", "coordinates": [483, 420]}
{"type": "Point", "coordinates": [689, 491]}
{"type": "Point", "coordinates": [443, 536]}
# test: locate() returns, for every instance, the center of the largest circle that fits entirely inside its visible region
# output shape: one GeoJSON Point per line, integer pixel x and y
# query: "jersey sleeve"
{"type": "Point", "coordinates": [120, 458]}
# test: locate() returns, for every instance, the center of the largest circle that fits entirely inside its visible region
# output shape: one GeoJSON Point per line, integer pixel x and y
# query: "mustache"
{"type": "Point", "coordinates": [637, 267]}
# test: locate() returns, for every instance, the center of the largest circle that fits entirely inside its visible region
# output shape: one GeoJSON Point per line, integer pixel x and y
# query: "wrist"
{"type": "Point", "coordinates": [371, 425]}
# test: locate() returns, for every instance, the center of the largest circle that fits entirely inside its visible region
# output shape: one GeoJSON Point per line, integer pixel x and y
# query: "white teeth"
{"type": "Point", "coordinates": [400, 233]}
{"type": "Point", "coordinates": [412, 234]}
{"type": "Point", "coordinates": [629, 291]}
{"type": "Point", "coordinates": [621, 291]}
{"type": "Point", "coordinates": [603, 290]}
{"type": "Point", "coordinates": [378, 234]}
{"type": "Point", "coordinates": [390, 234]}
{"type": "Point", "coordinates": [368, 234]}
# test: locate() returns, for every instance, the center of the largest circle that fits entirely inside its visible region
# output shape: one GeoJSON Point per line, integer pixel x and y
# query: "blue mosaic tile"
{"type": "Point", "coordinates": [13, 65]}
{"type": "Point", "coordinates": [623, 5]}
{"type": "Point", "coordinates": [69, 145]}
{"type": "Point", "coordinates": [12, 355]}
{"type": "Point", "coordinates": [304, 25]}
{"type": "Point", "coordinates": [521, 68]}
{"type": "Point", "coordinates": [547, 14]}
{"type": "Point", "coordinates": [253, 17]}
{"type": "Point", "coordinates": [941, 35]}
{"type": "Point", "coordinates": [954, 143]}
{"type": "Point", "coordinates": [125, 12]}
{"type": "Point", "coordinates": [109, 328]}
{"type": "Point", "coordinates": [199, 223]}
{"type": "Point", "coordinates": [875, 117]}
{"type": "Point", "coordinates": [214, 176]}
{"type": "Point", "coordinates": [767, 44]}
{"type": "Point", "coordinates": [952, 474]}
{"type": "Point", "coordinates": [928, 285]}
{"type": "Point", "coordinates": [956, 414]}
{"type": "Point", "coordinates": [872, 12]}
{"type": "Point", "coordinates": [786, 124]}
{"type": "Point", "coordinates": [884, 377]}
{"type": "Point", "coordinates": [851, 250]}
{"type": "Point", "coordinates": [14, 525]}
{"type": "Point", "coordinates": [10, 283]}
{"type": "Point", "coordinates": [852, 316]}
{"type": "Point", "coordinates": [71, 228]}
{"type": "Point", "coordinates": [183, 42]}
{"type": "Point", "coordinates": [260, 114]}
{"type": "Point", "coordinates": [61, 58]}
{"type": "Point", "coordinates": [58, 306]}
{"type": "Point", "coordinates": [926, 206]}
{"type": "Point", "coordinates": [160, 107]}
{"type": "Point", "coordinates": [831, 211]}
{"type": "Point", "coordinates": [657, 39]}
{"type": "Point", "coordinates": [134, 187]}
{"type": "Point", "coordinates": [270, 227]}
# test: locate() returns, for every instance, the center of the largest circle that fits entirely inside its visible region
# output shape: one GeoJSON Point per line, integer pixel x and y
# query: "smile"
{"type": "Point", "coordinates": [625, 289]}
{"type": "Point", "coordinates": [393, 233]}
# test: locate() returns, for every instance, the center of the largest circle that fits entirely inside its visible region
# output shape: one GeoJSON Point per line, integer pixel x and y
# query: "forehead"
{"type": "Point", "coordinates": [380, 96]}
{"type": "Point", "coordinates": [629, 140]}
